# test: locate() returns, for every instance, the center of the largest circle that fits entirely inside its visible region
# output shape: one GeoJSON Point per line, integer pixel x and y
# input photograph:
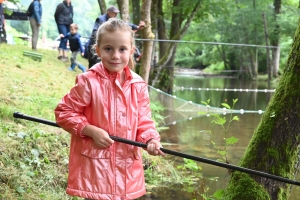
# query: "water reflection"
{"type": "Point", "coordinates": [192, 137]}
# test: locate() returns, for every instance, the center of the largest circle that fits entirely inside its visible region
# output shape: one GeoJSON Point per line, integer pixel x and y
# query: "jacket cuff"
{"type": "Point", "coordinates": [144, 138]}
{"type": "Point", "coordinates": [81, 126]}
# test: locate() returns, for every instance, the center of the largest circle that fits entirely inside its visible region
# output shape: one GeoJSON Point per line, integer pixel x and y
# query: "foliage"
{"type": "Point", "coordinates": [184, 175]}
{"type": "Point", "coordinates": [220, 120]}
{"type": "Point", "coordinates": [230, 22]}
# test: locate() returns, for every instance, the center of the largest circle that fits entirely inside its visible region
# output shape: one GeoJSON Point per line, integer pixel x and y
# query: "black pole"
{"type": "Point", "coordinates": [175, 153]}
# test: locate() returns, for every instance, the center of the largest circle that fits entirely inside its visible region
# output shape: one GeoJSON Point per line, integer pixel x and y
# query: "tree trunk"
{"type": "Point", "coordinates": [136, 11]}
{"type": "Point", "coordinates": [161, 28]}
{"type": "Point", "coordinates": [102, 6]}
{"type": "Point", "coordinates": [274, 147]}
{"type": "Point", "coordinates": [147, 45]}
{"type": "Point", "coordinates": [124, 9]}
{"type": "Point", "coordinates": [175, 34]}
{"type": "Point", "coordinates": [254, 57]}
{"type": "Point", "coordinates": [269, 64]}
{"type": "Point", "coordinates": [275, 39]}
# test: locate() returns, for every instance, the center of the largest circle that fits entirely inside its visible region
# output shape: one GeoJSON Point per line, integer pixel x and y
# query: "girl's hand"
{"type": "Point", "coordinates": [153, 148]}
{"type": "Point", "coordinates": [100, 136]}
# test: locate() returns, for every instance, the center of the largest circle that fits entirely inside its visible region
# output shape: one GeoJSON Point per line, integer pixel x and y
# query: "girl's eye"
{"type": "Point", "coordinates": [107, 48]}
{"type": "Point", "coordinates": [122, 49]}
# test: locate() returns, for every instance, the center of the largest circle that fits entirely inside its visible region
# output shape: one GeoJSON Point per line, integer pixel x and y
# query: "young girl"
{"type": "Point", "coordinates": [109, 99]}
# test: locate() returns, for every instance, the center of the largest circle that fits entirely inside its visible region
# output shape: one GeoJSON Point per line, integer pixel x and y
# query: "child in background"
{"type": "Point", "coordinates": [75, 46]}
{"type": "Point", "coordinates": [110, 99]}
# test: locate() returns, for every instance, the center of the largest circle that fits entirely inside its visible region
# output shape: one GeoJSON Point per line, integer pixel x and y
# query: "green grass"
{"type": "Point", "coordinates": [33, 157]}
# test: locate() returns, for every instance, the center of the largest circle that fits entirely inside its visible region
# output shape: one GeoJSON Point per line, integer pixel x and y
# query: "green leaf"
{"type": "Point", "coordinates": [20, 190]}
{"type": "Point", "coordinates": [221, 121]}
{"type": "Point", "coordinates": [225, 105]}
{"type": "Point", "coordinates": [30, 174]}
{"type": "Point", "coordinates": [219, 194]}
{"type": "Point", "coordinates": [35, 153]}
{"type": "Point", "coordinates": [235, 118]}
{"type": "Point", "coordinates": [235, 100]}
{"type": "Point", "coordinates": [203, 102]}
{"type": "Point", "coordinates": [21, 135]}
{"type": "Point", "coordinates": [232, 140]}
{"type": "Point", "coordinates": [222, 153]}
{"type": "Point", "coordinates": [202, 113]}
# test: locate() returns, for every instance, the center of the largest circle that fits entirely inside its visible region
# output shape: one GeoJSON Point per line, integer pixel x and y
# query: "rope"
{"type": "Point", "coordinates": [212, 43]}
{"type": "Point", "coordinates": [225, 89]}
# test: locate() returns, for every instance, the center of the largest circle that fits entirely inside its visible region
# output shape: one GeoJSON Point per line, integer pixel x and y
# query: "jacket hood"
{"type": "Point", "coordinates": [102, 71]}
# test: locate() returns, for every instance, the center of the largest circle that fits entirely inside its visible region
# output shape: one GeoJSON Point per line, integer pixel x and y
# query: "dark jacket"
{"type": "Point", "coordinates": [64, 14]}
{"type": "Point", "coordinates": [37, 11]}
{"type": "Point", "coordinates": [75, 42]}
{"type": "Point", "coordinates": [103, 18]}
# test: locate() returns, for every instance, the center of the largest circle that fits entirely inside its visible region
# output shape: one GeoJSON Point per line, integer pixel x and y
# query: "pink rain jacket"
{"type": "Point", "coordinates": [99, 99]}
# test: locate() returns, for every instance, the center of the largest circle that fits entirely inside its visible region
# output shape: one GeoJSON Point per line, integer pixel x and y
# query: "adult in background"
{"type": "Point", "coordinates": [111, 12]}
{"type": "Point", "coordinates": [2, 24]}
{"type": "Point", "coordinates": [63, 18]}
{"type": "Point", "coordinates": [35, 22]}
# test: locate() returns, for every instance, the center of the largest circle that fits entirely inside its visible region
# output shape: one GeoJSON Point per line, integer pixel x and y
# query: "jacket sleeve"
{"type": "Point", "coordinates": [37, 12]}
{"type": "Point", "coordinates": [146, 128]}
{"type": "Point", "coordinates": [133, 26]}
{"type": "Point", "coordinates": [57, 12]}
{"type": "Point", "coordinates": [69, 113]}
{"type": "Point", "coordinates": [80, 45]}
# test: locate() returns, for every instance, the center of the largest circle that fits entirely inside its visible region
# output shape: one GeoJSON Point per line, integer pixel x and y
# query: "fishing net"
{"type": "Point", "coordinates": [177, 109]}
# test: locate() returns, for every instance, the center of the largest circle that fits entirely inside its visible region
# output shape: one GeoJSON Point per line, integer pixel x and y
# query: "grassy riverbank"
{"type": "Point", "coordinates": [33, 157]}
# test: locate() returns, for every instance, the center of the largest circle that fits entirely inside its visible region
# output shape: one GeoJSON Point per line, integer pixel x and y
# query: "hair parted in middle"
{"type": "Point", "coordinates": [113, 25]}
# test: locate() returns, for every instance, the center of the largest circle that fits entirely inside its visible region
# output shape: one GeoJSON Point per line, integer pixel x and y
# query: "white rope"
{"type": "Point", "coordinates": [224, 89]}
{"type": "Point", "coordinates": [212, 43]}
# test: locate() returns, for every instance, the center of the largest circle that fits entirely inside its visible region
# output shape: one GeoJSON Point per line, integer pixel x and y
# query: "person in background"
{"type": "Point", "coordinates": [2, 23]}
{"type": "Point", "coordinates": [109, 99]}
{"type": "Point", "coordinates": [111, 12]}
{"type": "Point", "coordinates": [63, 18]}
{"type": "Point", "coordinates": [75, 46]}
{"type": "Point", "coordinates": [35, 22]}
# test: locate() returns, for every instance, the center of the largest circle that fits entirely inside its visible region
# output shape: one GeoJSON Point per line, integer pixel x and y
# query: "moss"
{"type": "Point", "coordinates": [274, 145]}
{"type": "Point", "coordinates": [242, 186]}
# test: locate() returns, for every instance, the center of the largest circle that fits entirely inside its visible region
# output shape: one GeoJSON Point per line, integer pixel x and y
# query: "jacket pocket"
{"type": "Point", "coordinates": [137, 170]}
{"type": "Point", "coordinates": [94, 161]}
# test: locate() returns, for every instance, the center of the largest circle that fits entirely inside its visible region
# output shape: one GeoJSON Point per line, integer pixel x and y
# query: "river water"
{"type": "Point", "coordinates": [190, 136]}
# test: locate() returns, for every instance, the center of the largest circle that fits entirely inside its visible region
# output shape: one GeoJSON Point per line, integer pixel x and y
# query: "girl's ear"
{"type": "Point", "coordinates": [132, 51]}
{"type": "Point", "coordinates": [98, 51]}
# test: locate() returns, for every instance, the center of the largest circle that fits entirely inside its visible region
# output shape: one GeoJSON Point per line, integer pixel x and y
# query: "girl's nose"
{"type": "Point", "coordinates": [115, 56]}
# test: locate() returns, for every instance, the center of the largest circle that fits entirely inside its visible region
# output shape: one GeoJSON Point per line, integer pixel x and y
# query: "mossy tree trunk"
{"type": "Point", "coordinates": [274, 147]}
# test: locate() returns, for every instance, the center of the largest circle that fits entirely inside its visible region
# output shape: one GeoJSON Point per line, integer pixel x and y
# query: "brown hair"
{"type": "Point", "coordinates": [74, 26]}
{"type": "Point", "coordinates": [113, 25]}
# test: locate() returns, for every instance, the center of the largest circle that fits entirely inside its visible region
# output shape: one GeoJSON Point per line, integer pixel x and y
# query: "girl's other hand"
{"type": "Point", "coordinates": [153, 148]}
{"type": "Point", "coordinates": [100, 136]}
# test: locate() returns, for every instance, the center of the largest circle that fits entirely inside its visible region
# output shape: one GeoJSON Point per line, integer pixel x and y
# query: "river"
{"type": "Point", "coordinates": [190, 136]}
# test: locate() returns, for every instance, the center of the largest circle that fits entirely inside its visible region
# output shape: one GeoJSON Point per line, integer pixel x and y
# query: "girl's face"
{"type": "Point", "coordinates": [115, 50]}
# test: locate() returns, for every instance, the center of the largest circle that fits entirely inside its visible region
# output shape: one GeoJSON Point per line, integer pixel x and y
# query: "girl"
{"type": "Point", "coordinates": [109, 99]}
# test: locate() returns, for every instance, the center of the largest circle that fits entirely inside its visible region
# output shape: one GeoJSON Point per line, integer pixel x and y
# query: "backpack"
{"type": "Point", "coordinates": [30, 10]}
